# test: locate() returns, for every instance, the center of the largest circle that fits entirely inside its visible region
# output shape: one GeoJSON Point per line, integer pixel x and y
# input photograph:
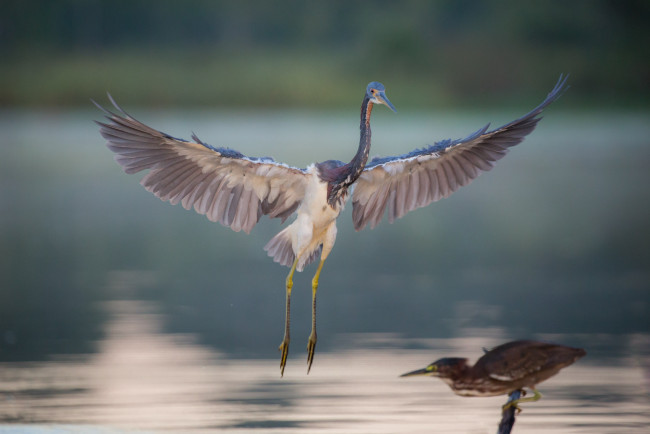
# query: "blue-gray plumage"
{"type": "Point", "coordinates": [237, 190]}
{"type": "Point", "coordinates": [406, 182]}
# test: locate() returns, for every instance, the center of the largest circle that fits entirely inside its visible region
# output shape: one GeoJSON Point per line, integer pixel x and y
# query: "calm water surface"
{"type": "Point", "coordinates": [142, 379]}
{"type": "Point", "coordinates": [120, 313]}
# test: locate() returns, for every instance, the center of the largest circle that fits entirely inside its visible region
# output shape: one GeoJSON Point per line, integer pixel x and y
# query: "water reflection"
{"type": "Point", "coordinates": [141, 379]}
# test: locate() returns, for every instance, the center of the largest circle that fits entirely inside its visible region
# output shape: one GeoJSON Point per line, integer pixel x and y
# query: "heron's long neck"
{"type": "Point", "coordinates": [342, 177]}
{"type": "Point", "coordinates": [353, 169]}
{"type": "Point", "coordinates": [361, 157]}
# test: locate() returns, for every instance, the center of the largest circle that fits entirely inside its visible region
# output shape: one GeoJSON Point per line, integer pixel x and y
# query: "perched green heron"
{"type": "Point", "coordinates": [237, 190]}
{"type": "Point", "coordinates": [512, 366]}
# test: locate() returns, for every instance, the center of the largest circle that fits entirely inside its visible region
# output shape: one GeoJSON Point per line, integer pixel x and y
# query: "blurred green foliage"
{"type": "Point", "coordinates": [290, 53]}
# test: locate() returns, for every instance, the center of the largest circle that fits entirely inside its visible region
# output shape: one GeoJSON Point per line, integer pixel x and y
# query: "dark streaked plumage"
{"type": "Point", "coordinates": [512, 366]}
{"type": "Point", "coordinates": [236, 190]}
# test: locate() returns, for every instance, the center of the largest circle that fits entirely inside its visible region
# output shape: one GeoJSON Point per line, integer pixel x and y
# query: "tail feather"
{"type": "Point", "coordinates": [281, 250]}
{"type": "Point", "coordinates": [309, 257]}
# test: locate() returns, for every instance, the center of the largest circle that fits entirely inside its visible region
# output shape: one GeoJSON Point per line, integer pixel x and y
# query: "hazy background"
{"type": "Point", "coordinates": [554, 240]}
{"type": "Point", "coordinates": [282, 54]}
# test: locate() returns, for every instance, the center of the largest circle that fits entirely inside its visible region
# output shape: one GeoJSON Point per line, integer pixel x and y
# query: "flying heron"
{"type": "Point", "coordinates": [237, 190]}
{"type": "Point", "coordinates": [512, 366]}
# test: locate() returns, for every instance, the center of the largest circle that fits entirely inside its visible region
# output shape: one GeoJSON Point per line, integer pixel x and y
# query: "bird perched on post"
{"type": "Point", "coordinates": [237, 190]}
{"type": "Point", "coordinates": [512, 366]}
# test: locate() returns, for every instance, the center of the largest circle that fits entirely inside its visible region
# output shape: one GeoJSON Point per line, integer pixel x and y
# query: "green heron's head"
{"type": "Point", "coordinates": [447, 367]}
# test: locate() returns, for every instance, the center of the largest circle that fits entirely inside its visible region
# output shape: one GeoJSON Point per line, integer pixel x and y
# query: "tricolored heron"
{"type": "Point", "coordinates": [512, 366]}
{"type": "Point", "coordinates": [237, 190]}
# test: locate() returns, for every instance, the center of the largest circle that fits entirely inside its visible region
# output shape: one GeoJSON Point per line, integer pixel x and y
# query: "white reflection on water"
{"type": "Point", "coordinates": [144, 380]}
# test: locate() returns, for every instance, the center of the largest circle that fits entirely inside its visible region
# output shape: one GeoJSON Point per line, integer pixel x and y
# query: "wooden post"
{"type": "Point", "coordinates": [508, 415]}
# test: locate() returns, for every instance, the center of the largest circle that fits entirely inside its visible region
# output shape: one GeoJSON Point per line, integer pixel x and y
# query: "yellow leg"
{"type": "Point", "coordinates": [284, 346]}
{"type": "Point", "coordinates": [536, 397]}
{"type": "Point", "coordinates": [311, 344]}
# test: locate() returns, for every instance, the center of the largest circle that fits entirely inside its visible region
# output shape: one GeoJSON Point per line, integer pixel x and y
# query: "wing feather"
{"type": "Point", "coordinates": [383, 199]}
{"type": "Point", "coordinates": [209, 201]}
{"type": "Point", "coordinates": [423, 184]}
{"type": "Point", "coordinates": [443, 168]}
{"type": "Point", "coordinates": [400, 198]}
{"type": "Point", "coordinates": [434, 187]}
{"type": "Point", "coordinates": [443, 181]}
{"type": "Point", "coordinates": [179, 175]}
{"type": "Point", "coordinates": [221, 183]}
{"type": "Point", "coordinates": [516, 360]}
{"type": "Point", "coordinates": [184, 187]}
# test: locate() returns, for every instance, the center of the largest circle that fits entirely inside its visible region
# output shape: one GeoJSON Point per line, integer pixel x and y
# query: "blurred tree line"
{"type": "Point", "coordinates": [279, 52]}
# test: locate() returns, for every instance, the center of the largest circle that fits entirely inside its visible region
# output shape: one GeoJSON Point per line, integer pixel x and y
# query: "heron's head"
{"type": "Point", "coordinates": [377, 94]}
{"type": "Point", "coordinates": [443, 368]}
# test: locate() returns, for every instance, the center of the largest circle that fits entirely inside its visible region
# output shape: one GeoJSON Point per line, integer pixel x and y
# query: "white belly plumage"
{"type": "Point", "coordinates": [315, 225]}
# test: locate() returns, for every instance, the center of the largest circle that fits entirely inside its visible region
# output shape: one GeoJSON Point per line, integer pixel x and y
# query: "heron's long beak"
{"type": "Point", "coordinates": [383, 99]}
{"type": "Point", "coordinates": [423, 371]}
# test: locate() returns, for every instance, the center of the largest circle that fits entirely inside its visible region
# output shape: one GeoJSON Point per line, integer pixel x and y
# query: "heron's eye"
{"type": "Point", "coordinates": [432, 368]}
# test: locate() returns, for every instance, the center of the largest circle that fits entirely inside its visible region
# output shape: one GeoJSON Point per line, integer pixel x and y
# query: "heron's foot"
{"type": "Point", "coordinates": [284, 350]}
{"type": "Point", "coordinates": [512, 404]}
{"type": "Point", "coordinates": [311, 348]}
{"type": "Point", "coordinates": [515, 403]}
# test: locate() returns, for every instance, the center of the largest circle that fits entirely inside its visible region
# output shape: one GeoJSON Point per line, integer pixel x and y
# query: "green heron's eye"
{"type": "Point", "coordinates": [431, 368]}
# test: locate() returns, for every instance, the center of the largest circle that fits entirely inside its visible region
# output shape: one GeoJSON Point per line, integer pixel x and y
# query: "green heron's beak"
{"type": "Point", "coordinates": [424, 371]}
{"type": "Point", "coordinates": [383, 99]}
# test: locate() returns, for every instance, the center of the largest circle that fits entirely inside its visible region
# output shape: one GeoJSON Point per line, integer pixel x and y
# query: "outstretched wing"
{"type": "Point", "coordinates": [410, 181]}
{"type": "Point", "coordinates": [221, 183]}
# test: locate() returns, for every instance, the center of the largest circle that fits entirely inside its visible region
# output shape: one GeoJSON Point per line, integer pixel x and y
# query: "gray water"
{"type": "Point", "coordinates": [119, 312]}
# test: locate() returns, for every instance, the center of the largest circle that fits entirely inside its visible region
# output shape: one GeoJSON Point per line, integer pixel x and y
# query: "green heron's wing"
{"type": "Point", "coordinates": [403, 183]}
{"type": "Point", "coordinates": [515, 361]}
{"type": "Point", "coordinates": [221, 183]}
